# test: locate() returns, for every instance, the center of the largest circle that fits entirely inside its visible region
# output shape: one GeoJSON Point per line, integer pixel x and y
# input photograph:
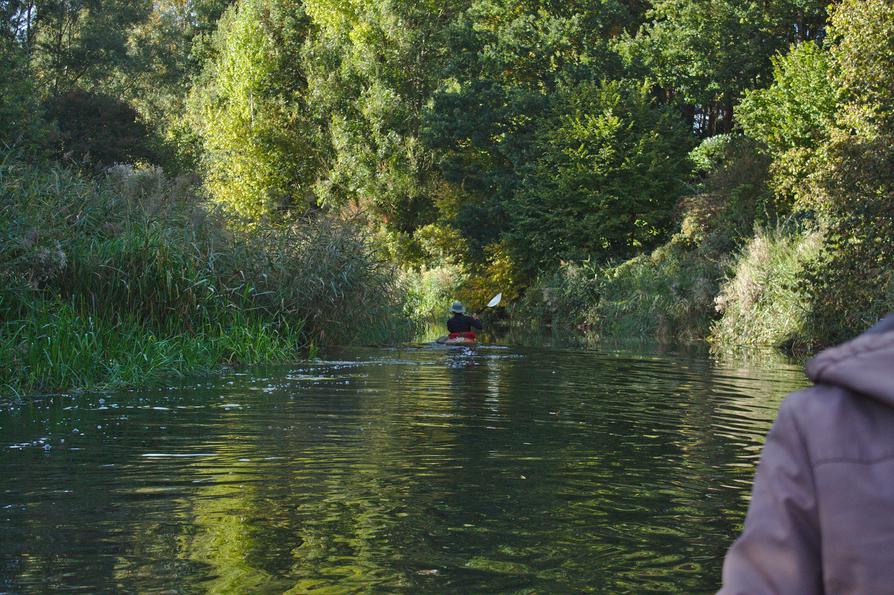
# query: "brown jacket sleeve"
{"type": "Point", "coordinates": [779, 549]}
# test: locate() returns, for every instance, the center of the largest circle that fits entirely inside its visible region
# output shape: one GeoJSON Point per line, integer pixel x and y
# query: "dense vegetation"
{"type": "Point", "coordinates": [179, 174]}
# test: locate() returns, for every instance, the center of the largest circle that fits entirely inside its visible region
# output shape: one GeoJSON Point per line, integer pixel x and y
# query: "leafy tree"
{"type": "Point", "coordinates": [508, 60]}
{"type": "Point", "coordinates": [610, 169]}
{"type": "Point", "coordinates": [706, 53]}
{"type": "Point", "coordinates": [169, 50]}
{"type": "Point", "coordinates": [793, 116]}
{"type": "Point", "coordinates": [862, 48]}
{"type": "Point", "coordinates": [261, 147]}
{"type": "Point", "coordinates": [372, 70]}
{"type": "Point", "coordinates": [853, 283]}
{"type": "Point", "coordinates": [81, 43]}
{"type": "Point", "coordinates": [21, 125]}
{"type": "Point", "coordinates": [98, 130]}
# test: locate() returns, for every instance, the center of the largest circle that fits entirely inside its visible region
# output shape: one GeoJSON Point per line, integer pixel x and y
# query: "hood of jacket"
{"type": "Point", "coordinates": [864, 365]}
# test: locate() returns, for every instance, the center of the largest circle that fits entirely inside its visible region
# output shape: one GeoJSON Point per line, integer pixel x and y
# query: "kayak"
{"type": "Point", "coordinates": [460, 341]}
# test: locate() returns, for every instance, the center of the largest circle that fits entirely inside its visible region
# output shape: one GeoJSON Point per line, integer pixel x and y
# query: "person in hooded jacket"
{"type": "Point", "coordinates": [821, 518]}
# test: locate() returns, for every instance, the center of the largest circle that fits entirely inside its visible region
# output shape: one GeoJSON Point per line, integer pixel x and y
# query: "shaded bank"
{"type": "Point", "coordinates": [125, 278]}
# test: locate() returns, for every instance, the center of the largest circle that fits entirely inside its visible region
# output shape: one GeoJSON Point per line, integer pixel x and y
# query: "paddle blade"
{"type": "Point", "coordinates": [495, 300]}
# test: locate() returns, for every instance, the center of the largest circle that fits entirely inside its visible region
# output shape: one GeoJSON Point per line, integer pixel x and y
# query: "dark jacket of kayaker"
{"type": "Point", "coordinates": [460, 323]}
{"type": "Point", "coordinates": [821, 518]}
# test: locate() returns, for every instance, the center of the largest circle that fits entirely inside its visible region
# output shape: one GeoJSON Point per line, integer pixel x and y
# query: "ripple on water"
{"type": "Point", "coordinates": [492, 469]}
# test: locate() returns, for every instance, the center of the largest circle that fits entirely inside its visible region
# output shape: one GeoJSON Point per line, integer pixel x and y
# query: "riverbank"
{"type": "Point", "coordinates": [131, 277]}
{"type": "Point", "coordinates": [750, 298]}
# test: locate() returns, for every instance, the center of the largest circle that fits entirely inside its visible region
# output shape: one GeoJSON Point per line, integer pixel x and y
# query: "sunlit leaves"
{"type": "Point", "coordinates": [261, 148]}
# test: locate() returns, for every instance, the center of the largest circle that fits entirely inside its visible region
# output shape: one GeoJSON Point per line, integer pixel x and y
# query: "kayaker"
{"type": "Point", "coordinates": [461, 325]}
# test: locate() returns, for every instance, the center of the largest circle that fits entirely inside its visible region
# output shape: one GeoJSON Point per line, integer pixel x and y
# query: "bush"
{"type": "Point", "coordinates": [430, 292]}
{"type": "Point", "coordinates": [760, 302]}
{"type": "Point", "coordinates": [98, 130]}
{"type": "Point", "coordinates": [667, 295]}
{"type": "Point", "coordinates": [731, 196]}
{"type": "Point", "coordinates": [851, 285]}
{"type": "Point", "coordinates": [137, 254]}
{"type": "Point", "coordinates": [611, 167]}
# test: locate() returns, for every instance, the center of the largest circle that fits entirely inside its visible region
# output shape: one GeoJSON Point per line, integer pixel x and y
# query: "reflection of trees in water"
{"type": "Point", "coordinates": [440, 470]}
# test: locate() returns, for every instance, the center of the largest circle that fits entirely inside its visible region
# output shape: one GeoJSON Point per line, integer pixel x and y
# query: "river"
{"type": "Point", "coordinates": [419, 469]}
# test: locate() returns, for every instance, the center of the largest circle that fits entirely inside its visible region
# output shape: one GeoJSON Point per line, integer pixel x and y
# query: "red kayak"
{"type": "Point", "coordinates": [463, 339]}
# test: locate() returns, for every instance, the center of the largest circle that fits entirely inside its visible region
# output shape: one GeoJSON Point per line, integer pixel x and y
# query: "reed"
{"type": "Point", "coordinates": [122, 280]}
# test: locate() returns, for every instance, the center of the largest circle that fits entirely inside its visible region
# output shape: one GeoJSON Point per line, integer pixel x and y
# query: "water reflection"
{"type": "Point", "coordinates": [420, 469]}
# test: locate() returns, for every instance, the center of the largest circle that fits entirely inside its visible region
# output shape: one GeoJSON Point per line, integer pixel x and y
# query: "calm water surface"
{"type": "Point", "coordinates": [407, 470]}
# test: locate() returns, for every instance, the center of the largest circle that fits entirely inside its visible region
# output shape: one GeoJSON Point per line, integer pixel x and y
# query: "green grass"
{"type": "Point", "coordinates": [55, 348]}
{"type": "Point", "coordinates": [665, 295]}
{"type": "Point", "coordinates": [761, 302]}
{"type": "Point", "coordinates": [122, 280]}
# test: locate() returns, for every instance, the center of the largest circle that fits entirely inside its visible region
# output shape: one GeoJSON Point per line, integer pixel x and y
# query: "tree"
{"type": "Point", "coordinates": [169, 50]}
{"type": "Point", "coordinates": [852, 285]}
{"type": "Point", "coordinates": [373, 68]}
{"type": "Point", "coordinates": [81, 43]}
{"type": "Point", "coordinates": [704, 54]}
{"type": "Point", "coordinates": [21, 124]}
{"type": "Point", "coordinates": [98, 130]}
{"type": "Point", "coordinates": [508, 59]}
{"type": "Point", "coordinates": [261, 146]}
{"type": "Point", "coordinates": [610, 169]}
{"type": "Point", "coordinates": [792, 117]}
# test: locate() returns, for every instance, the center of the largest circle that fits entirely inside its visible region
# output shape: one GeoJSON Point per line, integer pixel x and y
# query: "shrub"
{"type": "Point", "coordinates": [851, 285]}
{"type": "Point", "coordinates": [731, 196]}
{"type": "Point", "coordinates": [98, 130]}
{"type": "Point", "coordinates": [667, 295]}
{"type": "Point", "coordinates": [611, 167]}
{"type": "Point", "coordinates": [138, 254]}
{"type": "Point", "coordinates": [430, 291]}
{"type": "Point", "coordinates": [760, 301]}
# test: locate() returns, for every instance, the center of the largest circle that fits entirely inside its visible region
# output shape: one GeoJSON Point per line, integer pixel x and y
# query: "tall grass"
{"type": "Point", "coordinates": [762, 302]}
{"type": "Point", "coordinates": [665, 295]}
{"type": "Point", "coordinates": [120, 280]}
{"type": "Point", "coordinates": [56, 348]}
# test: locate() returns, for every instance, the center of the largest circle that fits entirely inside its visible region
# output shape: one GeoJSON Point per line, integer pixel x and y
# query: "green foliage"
{"type": "Point", "coordinates": [430, 291]}
{"type": "Point", "coordinates": [730, 197]}
{"type": "Point", "coordinates": [798, 108]}
{"type": "Point", "coordinates": [372, 68]}
{"type": "Point", "coordinates": [138, 258]}
{"type": "Point", "coordinates": [862, 48]}
{"type": "Point", "coordinates": [98, 130]}
{"type": "Point", "coordinates": [850, 286]}
{"type": "Point", "coordinates": [55, 347]}
{"type": "Point", "coordinates": [609, 173]}
{"type": "Point", "coordinates": [261, 150]}
{"type": "Point", "coordinates": [827, 123]}
{"type": "Point", "coordinates": [792, 117]}
{"type": "Point", "coordinates": [21, 125]}
{"type": "Point", "coordinates": [713, 153]}
{"type": "Point", "coordinates": [761, 302]}
{"type": "Point", "coordinates": [81, 44]}
{"type": "Point", "coordinates": [666, 295]}
{"type": "Point", "coordinates": [566, 297]}
{"type": "Point", "coordinates": [707, 53]}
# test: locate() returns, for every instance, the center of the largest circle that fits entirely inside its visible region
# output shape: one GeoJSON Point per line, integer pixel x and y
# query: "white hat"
{"type": "Point", "coordinates": [458, 308]}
